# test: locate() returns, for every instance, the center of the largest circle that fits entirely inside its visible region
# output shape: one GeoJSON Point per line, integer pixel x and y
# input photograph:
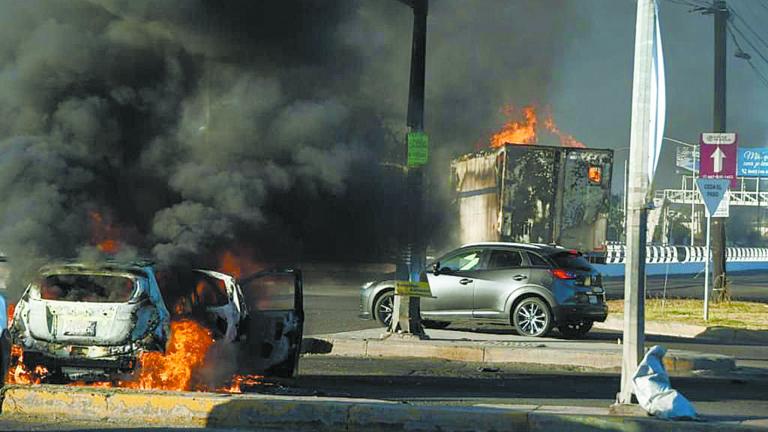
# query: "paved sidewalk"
{"type": "Point", "coordinates": [501, 348]}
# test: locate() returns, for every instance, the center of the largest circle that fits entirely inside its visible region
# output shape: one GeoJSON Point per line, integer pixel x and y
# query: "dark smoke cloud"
{"type": "Point", "coordinates": [195, 126]}
{"type": "Point", "coordinates": [178, 121]}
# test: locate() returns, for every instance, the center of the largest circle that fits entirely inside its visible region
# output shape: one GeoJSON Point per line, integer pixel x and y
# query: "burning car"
{"type": "Point", "coordinates": [90, 322]}
{"type": "Point", "coordinates": [103, 322]}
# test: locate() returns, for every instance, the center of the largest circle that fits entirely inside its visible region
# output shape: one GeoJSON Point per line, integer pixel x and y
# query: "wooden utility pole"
{"type": "Point", "coordinates": [720, 11]}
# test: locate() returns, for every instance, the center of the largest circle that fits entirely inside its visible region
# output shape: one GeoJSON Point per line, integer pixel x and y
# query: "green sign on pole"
{"type": "Point", "coordinates": [418, 149]}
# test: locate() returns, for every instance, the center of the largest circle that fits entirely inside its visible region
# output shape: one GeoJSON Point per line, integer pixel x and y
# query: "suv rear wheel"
{"type": "Point", "coordinates": [532, 317]}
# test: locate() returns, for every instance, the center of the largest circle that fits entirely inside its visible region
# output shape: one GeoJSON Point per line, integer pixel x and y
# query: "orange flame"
{"type": "Point", "coordinates": [173, 370]}
{"type": "Point", "coordinates": [238, 264]}
{"type": "Point", "coordinates": [516, 132]}
{"type": "Point", "coordinates": [103, 234]}
{"type": "Point", "coordinates": [18, 373]}
{"type": "Point", "coordinates": [565, 139]}
{"type": "Point", "coordinates": [11, 310]}
{"type": "Point", "coordinates": [526, 131]}
{"type": "Point", "coordinates": [238, 381]}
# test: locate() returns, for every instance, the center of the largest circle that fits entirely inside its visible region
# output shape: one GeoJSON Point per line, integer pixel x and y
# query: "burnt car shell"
{"type": "Point", "coordinates": [90, 321]}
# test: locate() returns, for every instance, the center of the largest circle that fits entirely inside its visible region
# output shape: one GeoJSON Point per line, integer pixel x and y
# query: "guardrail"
{"type": "Point", "coordinates": [616, 254]}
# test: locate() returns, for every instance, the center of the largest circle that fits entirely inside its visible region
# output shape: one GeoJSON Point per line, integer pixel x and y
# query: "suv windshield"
{"type": "Point", "coordinates": [87, 288]}
{"type": "Point", "coordinates": [570, 261]}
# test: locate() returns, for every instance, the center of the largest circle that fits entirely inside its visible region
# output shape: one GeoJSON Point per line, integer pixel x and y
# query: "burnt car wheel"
{"type": "Point", "coordinates": [384, 307]}
{"type": "Point", "coordinates": [531, 317]}
{"type": "Point", "coordinates": [575, 329]}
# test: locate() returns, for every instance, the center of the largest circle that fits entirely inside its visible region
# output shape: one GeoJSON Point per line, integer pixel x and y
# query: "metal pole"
{"type": "Point", "coordinates": [626, 183]}
{"type": "Point", "coordinates": [693, 188]}
{"type": "Point", "coordinates": [640, 136]}
{"type": "Point", "coordinates": [706, 272]}
{"type": "Point", "coordinates": [406, 317]}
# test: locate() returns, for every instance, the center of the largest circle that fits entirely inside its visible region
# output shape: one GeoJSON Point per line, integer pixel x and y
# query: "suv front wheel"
{"type": "Point", "coordinates": [532, 317]}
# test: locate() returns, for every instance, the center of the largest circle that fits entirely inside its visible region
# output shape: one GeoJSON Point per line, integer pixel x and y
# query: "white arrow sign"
{"type": "Point", "coordinates": [717, 157]}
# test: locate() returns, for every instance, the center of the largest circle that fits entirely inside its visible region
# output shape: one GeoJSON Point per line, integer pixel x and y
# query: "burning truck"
{"type": "Point", "coordinates": [534, 194]}
{"type": "Point", "coordinates": [109, 323]}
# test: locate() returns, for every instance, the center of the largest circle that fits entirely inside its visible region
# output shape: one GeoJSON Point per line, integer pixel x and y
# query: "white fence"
{"type": "Point", "coordinates": [616, 254]}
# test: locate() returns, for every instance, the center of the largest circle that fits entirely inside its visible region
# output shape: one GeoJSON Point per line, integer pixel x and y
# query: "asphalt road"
{"type": "Point", "coordinates": [751, 286]}
{"type": "Point", "coordinates": [332, 299]}
{"type": "Point", "coordinates": [332, 304]}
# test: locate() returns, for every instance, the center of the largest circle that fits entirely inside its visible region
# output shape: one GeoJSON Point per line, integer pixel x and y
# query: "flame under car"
{"type": "Point", "coordinates": [93, 322]}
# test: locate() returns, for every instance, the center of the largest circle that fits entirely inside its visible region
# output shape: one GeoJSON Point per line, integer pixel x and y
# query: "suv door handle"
{"type": "Point", "coordinates": [519, 277]}
{"type": "Point", "coordinates": [465, 281]}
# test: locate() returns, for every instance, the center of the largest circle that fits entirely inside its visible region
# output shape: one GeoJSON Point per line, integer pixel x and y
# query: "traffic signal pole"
{"type": "Point", "coordinates": [720, 11]}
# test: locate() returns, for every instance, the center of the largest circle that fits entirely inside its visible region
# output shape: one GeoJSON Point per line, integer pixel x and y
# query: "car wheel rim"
{"type": "Point", "coordinates": [385, 310]}
{"type": "Point", "coordinates": [531, 318]}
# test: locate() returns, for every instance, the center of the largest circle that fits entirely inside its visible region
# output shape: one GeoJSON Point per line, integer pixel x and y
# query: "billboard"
{"type": "Point", "coordinates": [752, 162]}
{"type": "Point", "coordinates": [687, 158]}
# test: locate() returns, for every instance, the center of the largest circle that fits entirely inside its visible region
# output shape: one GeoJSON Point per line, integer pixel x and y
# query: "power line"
{"type": "Point", "coordinates": [748, 41]}
{"type": "Point", "coordinates": [759, 74]}
{"type": "Point", "coordinates": [757, 35]}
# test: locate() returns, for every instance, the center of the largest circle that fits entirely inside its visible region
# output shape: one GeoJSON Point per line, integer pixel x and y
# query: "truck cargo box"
{"type": "Point", "coordinates": [533, 193]}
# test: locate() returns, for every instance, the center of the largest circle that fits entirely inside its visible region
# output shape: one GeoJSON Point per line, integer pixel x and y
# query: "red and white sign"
{"type": "Point", "coordinates": [719, 153]}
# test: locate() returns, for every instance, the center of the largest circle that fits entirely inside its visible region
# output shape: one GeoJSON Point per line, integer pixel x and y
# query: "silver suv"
{"type": "Point", "coordinates": [533, 287]}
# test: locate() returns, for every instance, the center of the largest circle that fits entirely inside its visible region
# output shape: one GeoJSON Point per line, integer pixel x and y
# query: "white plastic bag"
{"type": "Point", "coordinates": [654, 391]}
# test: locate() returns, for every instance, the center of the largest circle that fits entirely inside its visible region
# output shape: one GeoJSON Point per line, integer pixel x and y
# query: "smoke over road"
{"type": "Point", "coordinates": [194, 126]}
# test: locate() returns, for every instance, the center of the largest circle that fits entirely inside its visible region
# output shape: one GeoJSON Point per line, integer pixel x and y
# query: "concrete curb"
{"type": "Point", "coordinates": [523, 353]}
{"type": "Point", "coordinates": [710, 334]}
{"type": "Point", "coordinates": [311, 413]}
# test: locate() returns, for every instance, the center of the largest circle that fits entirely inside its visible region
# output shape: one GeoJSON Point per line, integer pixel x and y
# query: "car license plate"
{"type": "Point", "coordinates": [80, 328]}
{"type": "Point", "coordinates": [592, 299]}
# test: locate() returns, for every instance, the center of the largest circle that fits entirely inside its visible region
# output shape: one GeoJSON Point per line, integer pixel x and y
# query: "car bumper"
{"type": "Point", "coordinates": [580, 312]}
{"type": "Point", "coordinates": [124, 363]}
{"type": "Point", "coordinates": [365, 304]}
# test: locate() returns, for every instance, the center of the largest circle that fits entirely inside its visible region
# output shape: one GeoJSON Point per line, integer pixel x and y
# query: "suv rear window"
{"type": "Point", "coordinates": [570, 260]}
{"type": "Point", "coordinates": [87, 288]}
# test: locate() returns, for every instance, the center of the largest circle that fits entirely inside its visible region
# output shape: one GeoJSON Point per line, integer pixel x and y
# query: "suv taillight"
{"type": "Point", "coordinates": [562, 274]}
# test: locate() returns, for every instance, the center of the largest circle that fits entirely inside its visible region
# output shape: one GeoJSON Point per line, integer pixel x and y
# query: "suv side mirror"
{"type": "Point", "coordinates": [436, 268]}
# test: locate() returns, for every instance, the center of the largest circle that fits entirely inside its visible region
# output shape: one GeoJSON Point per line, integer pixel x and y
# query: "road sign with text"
{"type": "Point", "coordinates": [713, 192]}
{"type": "Point", "coordinates": [719, 153]}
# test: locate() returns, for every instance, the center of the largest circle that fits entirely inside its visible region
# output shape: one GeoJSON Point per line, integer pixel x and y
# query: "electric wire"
{"type": "Point", "coordinates": [757, 71]}
{"type": "Point", "coordinates": [746, 24]}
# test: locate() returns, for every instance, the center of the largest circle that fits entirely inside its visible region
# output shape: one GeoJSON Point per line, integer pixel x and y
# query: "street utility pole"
{"type": "Point", "coordinates": [720, 11]}
{"type": "Point", "coordinates": [406, 318]}
{"type": "Point", "coordinates": [640, 136]}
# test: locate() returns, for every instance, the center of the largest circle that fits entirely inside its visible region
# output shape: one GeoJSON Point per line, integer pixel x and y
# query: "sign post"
{"type": "Point", "coordinates": [712, 192]}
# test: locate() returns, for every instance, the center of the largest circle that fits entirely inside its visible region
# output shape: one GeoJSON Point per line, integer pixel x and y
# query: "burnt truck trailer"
{"type": "Point", "coordinates": [534, 193]}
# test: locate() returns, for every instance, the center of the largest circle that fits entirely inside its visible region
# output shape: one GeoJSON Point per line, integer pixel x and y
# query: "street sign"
{"type": "Point", "coordinates": [413, 289]}
{"type": "Point", "coordinates": [719, 156]}
{"type": "Point", "coordinates": [753, 162]}
{"type": "Point", "coordinates": [418, 148]}
{"type": "Point", "coordinates": [712, 192]}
